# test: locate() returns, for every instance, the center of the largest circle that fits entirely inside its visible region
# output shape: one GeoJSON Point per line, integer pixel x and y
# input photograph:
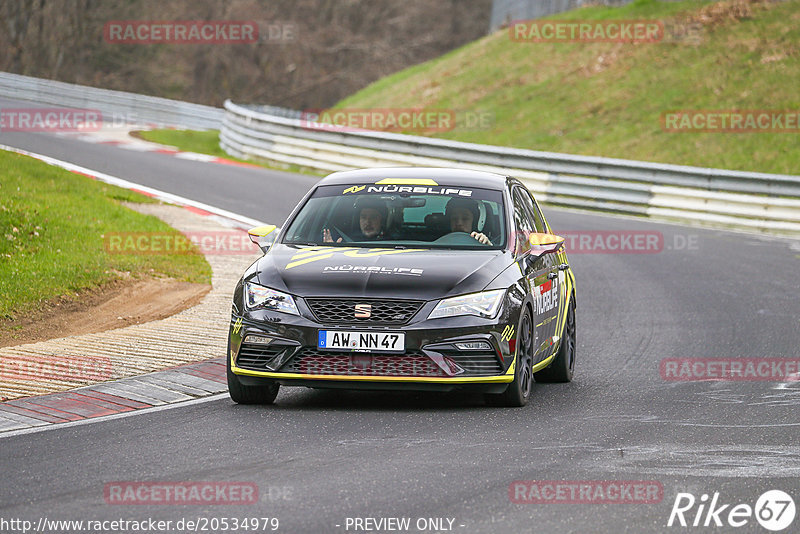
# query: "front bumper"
{"type": "Point", "coordinates": [287, 352]}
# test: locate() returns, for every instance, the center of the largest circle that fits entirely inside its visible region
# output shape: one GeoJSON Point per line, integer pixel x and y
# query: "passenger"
{"type": "Point", "coordinates": [463, 215]}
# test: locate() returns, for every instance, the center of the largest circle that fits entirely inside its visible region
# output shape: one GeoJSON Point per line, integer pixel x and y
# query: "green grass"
{"type": "Point", "coordinates": [200, 141]}
{"type": "Point", "coordinates": [207, 142]}
{"type": "Point", "coordinates": [52, 224]}
{"type": "Point", "coordinates": [607, 99]}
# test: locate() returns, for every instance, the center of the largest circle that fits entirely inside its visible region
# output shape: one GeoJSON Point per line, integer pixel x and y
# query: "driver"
{"type": "Point", "coordinates": [463, 215]}
{"type": "Point", "coordinates": [371, 221]}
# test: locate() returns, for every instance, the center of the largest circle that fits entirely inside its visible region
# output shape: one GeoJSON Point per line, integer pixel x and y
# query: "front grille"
{"type": "Point", "coordinates": [255, 356]}
{"type": "Point", "coordinates": [476, 363]}
{"type": "Point", "coordinates": [343, 311]}
{"type": "Point", "coordinates": [313, 362]}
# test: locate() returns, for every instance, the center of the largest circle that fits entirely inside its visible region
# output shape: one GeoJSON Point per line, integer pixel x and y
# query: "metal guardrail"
{"type": "Point", "coordinates": [744, 200]}
{"type": "Point", "coordinates": [506, 11]}
{"type": "Point", "coordinates": [116, 106]}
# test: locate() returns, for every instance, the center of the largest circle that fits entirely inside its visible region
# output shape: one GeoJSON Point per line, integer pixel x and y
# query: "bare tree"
{"type": "Point", "coordinates": [339, 46]}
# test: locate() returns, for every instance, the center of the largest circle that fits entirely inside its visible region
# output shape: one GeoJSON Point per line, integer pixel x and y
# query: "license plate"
{"type": "Point", "coordinates": [367, 341]}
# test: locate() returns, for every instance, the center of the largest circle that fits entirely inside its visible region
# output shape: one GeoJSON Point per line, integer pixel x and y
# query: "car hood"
{"type": "Point", "coordinates": [397, 273]}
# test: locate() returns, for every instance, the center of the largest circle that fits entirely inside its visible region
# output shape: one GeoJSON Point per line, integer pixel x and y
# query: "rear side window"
{"type": "Point", "coordinates": [523, 221]}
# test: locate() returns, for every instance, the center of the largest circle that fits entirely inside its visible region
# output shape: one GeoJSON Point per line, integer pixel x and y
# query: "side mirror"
{"type": "Point", "coordinates": [263, 236]}
{"type": "Point", "coordinates": [542, 244]}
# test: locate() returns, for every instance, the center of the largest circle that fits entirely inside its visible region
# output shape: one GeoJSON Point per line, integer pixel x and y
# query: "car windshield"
{"type": "Point", "coordinates": [411, 216]}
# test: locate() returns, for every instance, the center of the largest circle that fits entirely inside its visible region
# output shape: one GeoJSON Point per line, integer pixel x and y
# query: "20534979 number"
{"type": "Point", "coordinates": [372, 341]}
{"type": "Point", "coordinates": [230, 524]}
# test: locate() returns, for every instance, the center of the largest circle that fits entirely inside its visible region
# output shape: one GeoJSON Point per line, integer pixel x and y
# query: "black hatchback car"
{"type": "Point", "coordinates": [409, 279]}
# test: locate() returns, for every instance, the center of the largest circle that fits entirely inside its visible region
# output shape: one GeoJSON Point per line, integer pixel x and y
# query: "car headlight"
{"type": "Point", "coordinates": [483, 304]}
{"type": "Point", "coordinates": [263, 298]}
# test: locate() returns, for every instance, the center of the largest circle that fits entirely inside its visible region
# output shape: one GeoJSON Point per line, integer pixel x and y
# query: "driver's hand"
{"type": "Point", "coordinates": [326, 236]}
{"type": "Point", "coordinates": [481, 238]}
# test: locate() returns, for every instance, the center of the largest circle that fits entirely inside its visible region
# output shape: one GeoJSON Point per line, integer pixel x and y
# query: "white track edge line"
{"type": "Point", "coordinates": [125, 184]}
{"type": "Point", "coordinates": [121, 415]}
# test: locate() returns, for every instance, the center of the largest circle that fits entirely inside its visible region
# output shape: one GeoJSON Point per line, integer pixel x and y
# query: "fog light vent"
{"type": "Point", "coordinates": [473, 345]}
{"type": "Point", "coordinates": [258, 340]}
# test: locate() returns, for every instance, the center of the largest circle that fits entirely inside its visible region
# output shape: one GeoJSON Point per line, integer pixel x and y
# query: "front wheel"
{"type": "Point", "coordinates": [242, 394]}
{"type": "Point", "coordinates": [563, 366]}
{"type": "Point", "coordinates": [519, 391]}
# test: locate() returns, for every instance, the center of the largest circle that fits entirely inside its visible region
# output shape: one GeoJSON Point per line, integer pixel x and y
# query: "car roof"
{"type": "Point", "coordinates": [441, 176]}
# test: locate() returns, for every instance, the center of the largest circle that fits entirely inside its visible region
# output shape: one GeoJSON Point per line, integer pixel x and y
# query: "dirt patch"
{"type": "Point", "coordinates": [720, 13]}
{"type": "Point", "coordinates": [117, 304]}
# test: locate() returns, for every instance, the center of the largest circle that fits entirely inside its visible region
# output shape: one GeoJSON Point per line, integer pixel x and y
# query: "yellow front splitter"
{"type": "Point", "coordinates": [501, 379]}
{"type": "Point", "coordinates": [361, 378]}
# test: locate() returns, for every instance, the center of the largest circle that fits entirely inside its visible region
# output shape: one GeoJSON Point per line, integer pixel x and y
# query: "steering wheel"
{"type": "Point", "coordinates": [343, 235]}
{"type": "Point", "coordinates": [457, 238]}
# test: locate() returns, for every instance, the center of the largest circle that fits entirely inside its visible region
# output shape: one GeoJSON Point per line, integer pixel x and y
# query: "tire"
{"type": "Point", "coordinates": [563, 366]}
{"type": "Point", "coordinates": [519, 391]}
{"type": "Point", "coordinates": [241, 394]}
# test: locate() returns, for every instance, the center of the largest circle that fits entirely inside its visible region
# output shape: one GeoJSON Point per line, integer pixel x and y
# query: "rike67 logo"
{"type": "Point", "coordinates": [774, 510]}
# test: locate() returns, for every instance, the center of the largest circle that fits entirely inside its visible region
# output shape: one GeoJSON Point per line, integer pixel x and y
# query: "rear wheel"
{"type": "Point", "coordinates": [563, 366]}
{"type": "Point", "coordinates": [242, 394]}
{"type": "Point", "coordinates": [519, 391]}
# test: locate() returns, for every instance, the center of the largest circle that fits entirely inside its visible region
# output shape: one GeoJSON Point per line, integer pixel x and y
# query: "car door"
{"type": "Point", "coordinates": [561, 266]}
{"type": "Point", "coordinates": [537, 271]}
{"type": "Point", "coordinates": [550, 291]}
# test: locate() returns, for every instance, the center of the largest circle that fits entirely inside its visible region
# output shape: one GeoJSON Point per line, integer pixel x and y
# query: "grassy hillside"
{"type": "Point", "coordinates": [607, 99]}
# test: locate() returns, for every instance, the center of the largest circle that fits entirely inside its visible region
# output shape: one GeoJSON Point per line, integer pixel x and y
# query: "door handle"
{"type": "Point", "coordinates": [563, 267]}
{"type": "Point", "coordinates": [552, 276]}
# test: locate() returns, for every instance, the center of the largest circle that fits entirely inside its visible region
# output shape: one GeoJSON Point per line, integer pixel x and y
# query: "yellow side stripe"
{"type": "Point", "coordinates": [546, 321]}
{"type": "Point", "coordinates": [544, 363]}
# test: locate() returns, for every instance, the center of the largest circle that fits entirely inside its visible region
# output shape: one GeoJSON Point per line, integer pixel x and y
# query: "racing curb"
{"type": "Point", "coordinates": [174, 385]}
{"type": "Point", "coordinates": [122, 138]}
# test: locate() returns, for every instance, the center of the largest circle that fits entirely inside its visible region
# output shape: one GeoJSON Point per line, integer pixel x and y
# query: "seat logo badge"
{"type": "Point", "coordinates": [363, 311]}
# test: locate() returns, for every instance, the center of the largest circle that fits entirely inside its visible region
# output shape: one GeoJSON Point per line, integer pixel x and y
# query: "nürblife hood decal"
{"type": "Point", "coordinates": [379, 272]}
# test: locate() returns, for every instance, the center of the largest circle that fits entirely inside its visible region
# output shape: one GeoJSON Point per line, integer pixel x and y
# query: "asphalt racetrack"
{"type": "Point", "coordinates": [323, 459]}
